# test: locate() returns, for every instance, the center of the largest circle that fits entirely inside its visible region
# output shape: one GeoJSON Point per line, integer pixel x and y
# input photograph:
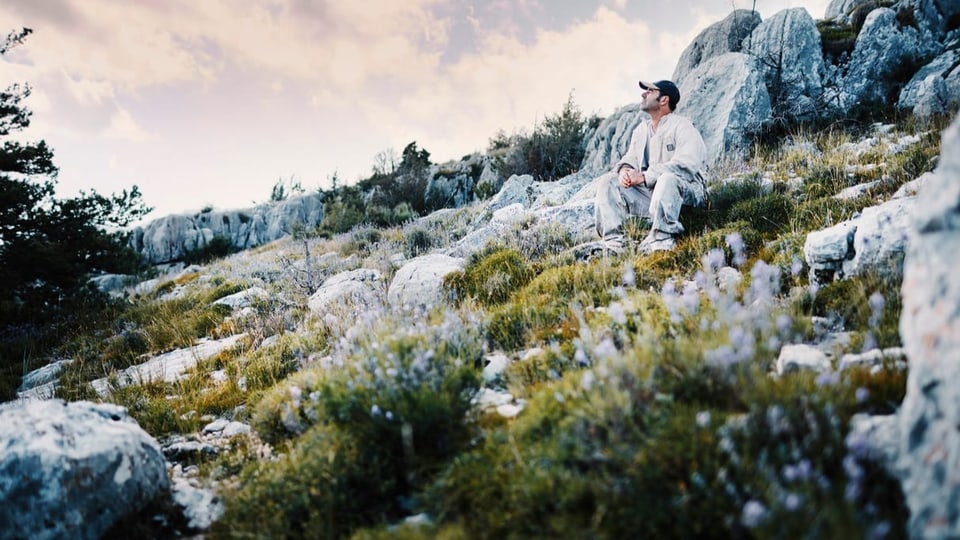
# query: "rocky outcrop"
{"type": "Point", "coordinates": [929, 442]}
{"type": "Point", "coordinates": [788, 48]}
{"type": "Point", "coordinates": [935, 88]}
{"type": "Point", "coordinates": [611, 139]}
{"type": "Point", "coordinates": [73, 470]}
{"type": "Point", "coordinates": [884, 50]}
{"type": "Point", "coordinates": [718, 38]}
{"type": "Point", "coordinates": [727, 100]}
{"type": "Point", "coordinates": [936, 18]}
{"type": "Point", "coordinates": [169, 238]}
{"type": "Point", "coordinates": [451, 185]}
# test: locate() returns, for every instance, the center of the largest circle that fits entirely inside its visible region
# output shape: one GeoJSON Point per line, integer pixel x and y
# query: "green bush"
{"type": "Point", "coordinates": [384, 423]}
{"type": "Point", "coordinates": [555, 148]}
{"type": "Point", "coordinates": [491, 279]}
{"type": "Point", "coordinates": [217, 248]}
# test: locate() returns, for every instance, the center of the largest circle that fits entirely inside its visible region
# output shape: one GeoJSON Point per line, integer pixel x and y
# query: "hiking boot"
{"type": "Point", "coordinates": [657, 241]}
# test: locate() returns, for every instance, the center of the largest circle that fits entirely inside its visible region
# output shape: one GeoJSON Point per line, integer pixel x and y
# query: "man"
{"type": "Point", "coordinates": [661, 171]}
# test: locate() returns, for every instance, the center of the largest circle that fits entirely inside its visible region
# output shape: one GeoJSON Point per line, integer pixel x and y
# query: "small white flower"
{"type": "Point", "coordinates": [703, 419]}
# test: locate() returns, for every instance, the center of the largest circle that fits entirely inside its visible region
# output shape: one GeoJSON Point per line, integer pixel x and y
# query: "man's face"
{"type": "Point", "coordinates": [649, 99]}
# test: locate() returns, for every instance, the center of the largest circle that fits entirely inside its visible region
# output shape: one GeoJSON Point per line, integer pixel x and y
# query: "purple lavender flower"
{"type": "Point", "coordinates": [753, 514]}
{"type": "Point", "coordinates": [735, 242]}
{"type": "Point", "coordinates": [714, 260]}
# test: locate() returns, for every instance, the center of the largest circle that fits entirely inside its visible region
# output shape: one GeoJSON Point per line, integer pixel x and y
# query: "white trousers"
{"type": "Point", "coordinates": [661, 205]}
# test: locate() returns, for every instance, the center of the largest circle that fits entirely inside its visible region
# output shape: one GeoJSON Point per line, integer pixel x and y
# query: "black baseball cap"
{"type": "Point", "coordinates": [666, 88]}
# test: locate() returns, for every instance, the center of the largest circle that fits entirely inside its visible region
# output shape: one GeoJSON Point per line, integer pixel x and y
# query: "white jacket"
{"type": "Point", "coordinates": [676, 147]}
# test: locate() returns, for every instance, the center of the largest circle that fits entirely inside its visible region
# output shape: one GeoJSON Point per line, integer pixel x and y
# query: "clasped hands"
{"type": "Point", "coordinates": [631, 177]}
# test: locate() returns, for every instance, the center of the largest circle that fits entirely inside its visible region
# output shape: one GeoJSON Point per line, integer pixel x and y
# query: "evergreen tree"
{"type": "Point", "coordinates": [49, 246]}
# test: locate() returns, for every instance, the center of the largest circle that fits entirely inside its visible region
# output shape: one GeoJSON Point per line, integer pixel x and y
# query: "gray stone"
{"type": "Point", "coordinates": [827, 249]}
{"type": "Point", "coordinates": [244, 298]}
{"type": "Point", "coordinates": [72, 470]}
{"type": "Point", "coordinates": [610, 141]}
{"type": "Point", "coordinates": [419, 282]}
{"type": "Point", "coordinates": [935, 88]}
{"type": "Point", "coordinates": [718, 38]}
{"type": "Point", "coordinates": [882, 49]}
{"type": "Point", "coordinates": [112, 284]}
{"type": "Point", "coordinates": [929, 442]}
{"type": "Point", "coordinates": [789, 51]}
{"type": "Point", "coordinates": [516, 190]}
{"type": "Point", "coordinates": [168, 367]}
{"type": "Point", "coordinates": [801, 357]}
{"type": "Point", "coordinates": [47, 374]}
{"type": "Point", "coordinates": [881, 238]}
{"type": "Point", "coordinates": [169, 238]}
{"type": "Point", "coordinates": [894, 356]}
{"type": "Point", "coordinates": [451, 185]}
{"type": "Point", "coordinates": [362, 288]}
{"type": "Point", "coordinates": [727, 100]}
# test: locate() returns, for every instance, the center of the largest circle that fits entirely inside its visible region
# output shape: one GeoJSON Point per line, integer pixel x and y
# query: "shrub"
{"type": "Point", "coordinates": [491, 279]}
{"type": "Point", "coordinates": [217, 248]}
{"type": "Point", "coordinates": [393, 413]}
{"type": "Point", "coordinates": [870, 301]}
{"type": "Point", "coordinates": [555, 148]}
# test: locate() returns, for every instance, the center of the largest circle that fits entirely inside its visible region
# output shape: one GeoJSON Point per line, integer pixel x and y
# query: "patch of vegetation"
{"type": "Point", "coordinates": [871, 301]}
{"type": "Point", "coordinates": [217, 248]}
{"type": "Point", "coordinates": [377, 430]}
{"type": "Point", "coordinates": [491, 279]}
{"type": "Point", "coordinates": [555, 148]}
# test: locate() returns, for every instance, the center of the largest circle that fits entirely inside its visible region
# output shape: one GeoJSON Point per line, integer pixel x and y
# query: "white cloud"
{"type": "Point", "coordinates": [123, 127]}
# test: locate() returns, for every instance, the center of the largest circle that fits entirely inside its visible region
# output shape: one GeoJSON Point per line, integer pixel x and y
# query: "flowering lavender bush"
{"type": "Point", "coordinates": [378, 421]}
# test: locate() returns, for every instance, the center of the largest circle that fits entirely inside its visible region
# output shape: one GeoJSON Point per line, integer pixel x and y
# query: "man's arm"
{"type": "Point", "coordinates": [634, 156]}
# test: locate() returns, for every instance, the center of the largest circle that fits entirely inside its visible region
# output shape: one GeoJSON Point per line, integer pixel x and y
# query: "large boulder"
{"type": "Point", "coordinates": [718, 38]}
{"type": "Point", "coordinates": [929, 441]}
{"type": "Point", "coordinates": [451, 184]}
{"type": "Point", "coordinates": [419, 282]}
{"type": "Point", "coordinates": [611, 139]}
{"type": "Point", "coordinates": [169, 238]}
{"type": "Point", "coordinates": [875, 240]}
{"type": "Point", "coordinates": [727, 100]}
{"type": "Point", "coordinates": [937, 18]}
{"type": "Point", "coordinates": [935, 88]}
{"type": "Point", "coordinates": [790, 53]}
{"type": "Point", "coordinates": [886, 54]}
{"type": "Point", "coordinates": [72, 470]}
{"type": "Point", "coordinates": [359, 290]}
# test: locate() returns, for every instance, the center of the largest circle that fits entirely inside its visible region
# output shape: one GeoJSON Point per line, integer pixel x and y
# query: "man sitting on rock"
{"type": "Point", "coordinates": [661, 171]}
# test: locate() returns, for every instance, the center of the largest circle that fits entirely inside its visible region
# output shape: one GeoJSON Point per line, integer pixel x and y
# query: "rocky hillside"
{"type": "Point", "coordinates": [786, 371]}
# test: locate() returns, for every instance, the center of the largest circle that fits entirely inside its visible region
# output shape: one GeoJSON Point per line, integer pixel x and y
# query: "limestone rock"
{"type": "Point", "coordinates": [363, 288]}
{"type": "Point", "coordinates": [727, 100]}
{"type": "Point", "coordinates": [883, 49]}
{"type": "Point", "coordinates": [718, 38]}
{"type": "Point", "coordinates": [610, 141]}
{"type": "Point", "coordinates": [935, 88]}
{"type": "Point", "coordinates": [515, 190]}
{"type": "Point", "coordinates": [825, 250]}
{"type": "Point", "coordinates": [169, 238]}
{"type": "Point", "coordinates": [881, 238]}
{"type": "Point", "coordinates": [801, 357]}
{"type": "Point", "coordinates": [790, 55]}
{"type": "Point", "coordinates": [451, 184]}
{"type": "Point", "coordinates": [419, 282]}
{"type": "Point", "coordinates": [930, 330]}
{"type": "Point", "coordinates": [72, 470]}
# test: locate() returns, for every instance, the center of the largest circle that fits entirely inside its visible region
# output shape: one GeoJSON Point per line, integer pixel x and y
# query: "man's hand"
{"type": "Point", "coordinates": [630, 177]}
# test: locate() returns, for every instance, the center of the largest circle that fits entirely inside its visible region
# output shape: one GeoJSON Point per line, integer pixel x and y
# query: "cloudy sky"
{"type": "Point", "coordinates": [211, 102]}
